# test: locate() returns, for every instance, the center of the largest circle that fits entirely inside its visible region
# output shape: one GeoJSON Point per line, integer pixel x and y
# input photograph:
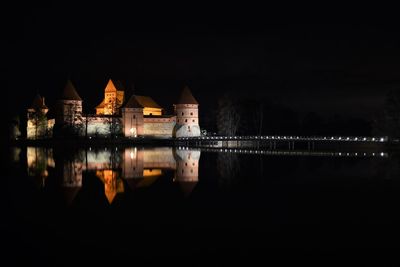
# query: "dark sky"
{"type": "Point", "coordinates": [328, 68]}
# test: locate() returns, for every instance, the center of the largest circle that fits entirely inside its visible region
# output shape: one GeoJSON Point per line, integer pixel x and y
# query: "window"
{"type": "Point", "coordinates": [182, 113]}
{"type": "Point", "coordinates": [191, 113]}
{"type": "Point", "coordinates": [185, 120]}
{"type": "Point", "coordinates": [193, 120]}
{"type": "Point", "coordinates": [134, 116]}
{"type": "Point", "coordinates": [186, 164]}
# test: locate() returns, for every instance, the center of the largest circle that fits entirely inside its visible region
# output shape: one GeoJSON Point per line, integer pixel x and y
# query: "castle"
{"type": "Point", "coordinates": [116, 115]}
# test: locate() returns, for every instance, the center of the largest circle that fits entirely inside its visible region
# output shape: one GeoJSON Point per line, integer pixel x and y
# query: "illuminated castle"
{"type": "Point", "coordinates": [116, 115]}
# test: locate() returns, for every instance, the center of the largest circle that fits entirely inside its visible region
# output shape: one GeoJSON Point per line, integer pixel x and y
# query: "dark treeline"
{"type": "Point", "coordinates": [246, 116]}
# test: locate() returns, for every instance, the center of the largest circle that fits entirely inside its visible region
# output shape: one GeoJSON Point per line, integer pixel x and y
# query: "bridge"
{"type": "Point", "coordinates": [279, 141]}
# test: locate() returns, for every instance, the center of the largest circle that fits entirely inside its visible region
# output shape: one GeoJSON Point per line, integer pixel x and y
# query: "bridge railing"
{"type": "Point", "coordinates": [290, 138]}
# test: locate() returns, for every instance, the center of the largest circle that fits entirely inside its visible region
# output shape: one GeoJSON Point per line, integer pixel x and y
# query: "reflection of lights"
{"type": "Point", "coordinates": [133, 132]}
{"type": "Point", "coordinates": [382, 139]}
{"type": "Point", "coordinates": [373, 154]}
{"type": "Point", "coordinates": [373, 139]}
{"type": "Point", "coordinates": [382, 154]}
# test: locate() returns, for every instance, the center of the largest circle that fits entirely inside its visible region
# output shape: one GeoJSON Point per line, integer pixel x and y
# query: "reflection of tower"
{"type": "Point", "coordinates": [132, 166]}
{"type": "Point", "coordinates": [187, 169]}
{"type": "Point", "coordinates": [38, 160]}
{"type": "Point", "coordinates": [187, 115]}
{"type": "Point", "coordinates": [112, 184]}
{"type": "Point", "coordinates": [71, 179]}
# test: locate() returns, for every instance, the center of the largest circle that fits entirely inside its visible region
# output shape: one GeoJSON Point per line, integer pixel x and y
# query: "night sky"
{"type": "Point", "coordinates": [327, 68]}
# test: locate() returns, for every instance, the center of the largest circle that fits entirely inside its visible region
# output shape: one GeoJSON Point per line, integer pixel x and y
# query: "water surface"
{"type": "Point", "coordinates": [203, 208]}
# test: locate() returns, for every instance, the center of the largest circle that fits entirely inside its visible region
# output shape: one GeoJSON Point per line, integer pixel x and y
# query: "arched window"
{"type": "Point", "coordinates": [182, 113]}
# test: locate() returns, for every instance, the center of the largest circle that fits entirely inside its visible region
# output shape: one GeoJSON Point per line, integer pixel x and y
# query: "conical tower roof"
{"type": "Point", "coordinates": [187, 97]}
{"type": "Point", "coordinates": [187, 187]}
{"type": "Point", "coordinates": [38, 103]}
{"type": "Point", "coordinates": [70, 93]}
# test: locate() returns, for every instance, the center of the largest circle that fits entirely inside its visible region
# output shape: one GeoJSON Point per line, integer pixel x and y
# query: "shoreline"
{"type": "Point", "coordinates": [201, 143]}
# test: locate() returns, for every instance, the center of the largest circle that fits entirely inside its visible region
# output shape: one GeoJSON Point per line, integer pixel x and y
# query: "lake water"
{"type": "Point", "coordinates": [187, 207]}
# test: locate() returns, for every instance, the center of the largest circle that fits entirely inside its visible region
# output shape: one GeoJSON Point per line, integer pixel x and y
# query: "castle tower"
{"type": "Point", "coordinates": [113, 99]}
{"type": "Point", "coordinates": [36, 119]}
{"type": "Point", "coordinates": [187, 115]}
{"type": "Point", "coordinates": [132, 118]}
{"type": "Point", "coordinates": [69, 112]}
{"type": "Point", "coordinates": [187, 169]}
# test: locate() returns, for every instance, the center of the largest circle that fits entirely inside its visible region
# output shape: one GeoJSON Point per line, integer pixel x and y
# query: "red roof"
{"type": "Point", "coordinates": [38, 103]}
{"type": "Point", "coordinates": [70, 93]}
{"type": "Point", "coordinates": [187, 97]}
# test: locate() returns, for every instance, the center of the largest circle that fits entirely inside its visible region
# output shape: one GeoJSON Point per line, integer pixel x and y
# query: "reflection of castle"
{"type": "Point", "coordinates": [137, 167]}
{"type": "Point", "coordinates": [115, 115]}
{"type": "Point", "coordinates": [187, 169]}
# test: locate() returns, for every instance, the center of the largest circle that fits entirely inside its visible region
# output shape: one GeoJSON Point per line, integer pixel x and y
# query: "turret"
{"type": "Point", "coordinates": [132, 118]}
{"type": "Point", "coordinates": [187, 115]}
{"type": "Point", "coordinates": [36, 118]}
{"type": "Point", "coordinates": [69, 113]}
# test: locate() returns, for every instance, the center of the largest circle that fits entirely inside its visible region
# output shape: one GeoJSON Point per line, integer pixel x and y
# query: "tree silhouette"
{"type": "Point", "coordinates": [228, 115]}
{"type": "Point", "coordinates": [387, 122]}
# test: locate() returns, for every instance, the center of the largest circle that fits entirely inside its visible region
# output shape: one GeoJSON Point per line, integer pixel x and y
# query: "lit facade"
{"type": "Point", "coordinates": [113, 99]}
{"type": "Point", "coordinates": [136, 116]}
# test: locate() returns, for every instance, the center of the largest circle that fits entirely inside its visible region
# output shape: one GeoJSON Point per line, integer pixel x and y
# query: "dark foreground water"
{"type": "Point", "coordinates": [180, 207]}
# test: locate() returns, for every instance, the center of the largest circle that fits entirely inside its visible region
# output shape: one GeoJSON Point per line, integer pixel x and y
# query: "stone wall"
{"type": "Point", "coordinates": [103, 126]}
{"type": "Point", "coordinates": [159, 127]}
